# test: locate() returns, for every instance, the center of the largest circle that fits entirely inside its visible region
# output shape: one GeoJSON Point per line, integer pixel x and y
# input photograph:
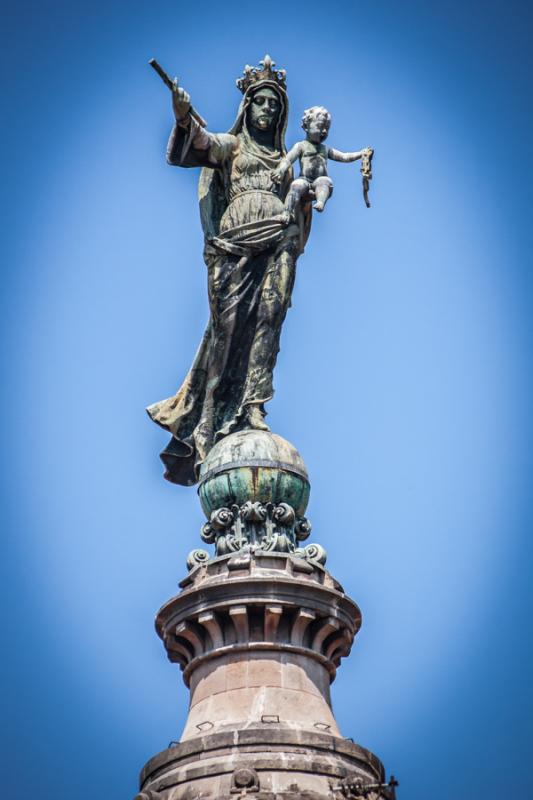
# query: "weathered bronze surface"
{"type": "Point", "coordinates": [256, 222]}
{"type": "Point", "coordinates": [253, 465]}
{"type": "Point", "coordinates": [173, 86]}
{"type": "Point", "coordinates": [313, 155]}
{"type": "Point", "coordinates": [254, 490]}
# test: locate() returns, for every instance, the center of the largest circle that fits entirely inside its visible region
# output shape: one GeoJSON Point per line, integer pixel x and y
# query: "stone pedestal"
{"type": "Point", "coordinates": [259, 631]}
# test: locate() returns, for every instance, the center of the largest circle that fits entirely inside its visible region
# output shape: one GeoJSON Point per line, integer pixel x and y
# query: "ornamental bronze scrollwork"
{"type": "Point", "coordinates": [258, 526]}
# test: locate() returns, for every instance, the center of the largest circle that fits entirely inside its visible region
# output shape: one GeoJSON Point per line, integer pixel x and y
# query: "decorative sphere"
{"type": "Point", "coordinates": [253, 465]}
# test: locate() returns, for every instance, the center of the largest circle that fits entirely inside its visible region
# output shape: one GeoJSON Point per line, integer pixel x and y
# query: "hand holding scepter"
{"type": "Point", "coordinates": [183, 97]}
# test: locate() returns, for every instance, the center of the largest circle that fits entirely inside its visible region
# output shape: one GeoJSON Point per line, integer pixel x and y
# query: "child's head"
{"type": "Point", "coordinates": [316, 122]}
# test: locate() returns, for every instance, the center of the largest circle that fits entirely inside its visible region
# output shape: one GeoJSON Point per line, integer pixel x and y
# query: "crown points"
{"type": "Point", "coordinates": [264, 72]}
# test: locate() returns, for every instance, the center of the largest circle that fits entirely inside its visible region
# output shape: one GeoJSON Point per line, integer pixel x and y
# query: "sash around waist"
{"type": "Point", "coordinates": [252, 237]}
{"type": "Point", "coordinates": [270, 192]}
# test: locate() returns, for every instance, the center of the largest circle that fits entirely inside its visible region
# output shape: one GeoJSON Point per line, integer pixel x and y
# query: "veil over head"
{"type": "Point", "coordinates": [211, 185]}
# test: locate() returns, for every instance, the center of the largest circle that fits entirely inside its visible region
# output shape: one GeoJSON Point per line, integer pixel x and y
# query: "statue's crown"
{"type": "Point", "coordinates": [264, 72]}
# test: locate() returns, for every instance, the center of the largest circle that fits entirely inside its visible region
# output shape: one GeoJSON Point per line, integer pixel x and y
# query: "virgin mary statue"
{"type": "Point", "coordinates": [250, 250]}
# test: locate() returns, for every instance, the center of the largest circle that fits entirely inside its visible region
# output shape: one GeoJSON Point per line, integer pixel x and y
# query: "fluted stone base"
{"type": "Point", "coordinates": [258, 602]}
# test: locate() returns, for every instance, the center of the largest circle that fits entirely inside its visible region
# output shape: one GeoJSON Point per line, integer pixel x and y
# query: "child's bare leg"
{"type": "Point", "coordinates": [298, 189]}
{"type": "Point", "coordinates": [323, 187]}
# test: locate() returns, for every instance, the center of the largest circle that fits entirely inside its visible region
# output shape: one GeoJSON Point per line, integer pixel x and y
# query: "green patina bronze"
{"type": "Point", "coordinates": [254, 491]}
{"type": "Point", "coordinates": [256, 466]}
{"type": "Point", "coordinates": [258, 484]}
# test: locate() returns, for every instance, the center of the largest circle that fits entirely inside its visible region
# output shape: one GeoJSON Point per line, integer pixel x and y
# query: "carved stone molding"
{"type": "Point", "coordinates": [258, 602]}
{"type": "Point", "coordinates": [244, 780]}
{"type": "Point", "coordinates": [257, 526]}
{"type": "Point", "coordinates": [207, 766]}
{"type": "Point", "coordinates": [354, 787]}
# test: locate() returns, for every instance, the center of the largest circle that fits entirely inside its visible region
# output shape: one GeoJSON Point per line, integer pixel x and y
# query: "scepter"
{"type": "Point", "coordinates": [173, 85]}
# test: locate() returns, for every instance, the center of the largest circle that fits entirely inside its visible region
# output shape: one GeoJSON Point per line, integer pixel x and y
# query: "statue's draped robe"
{"type": "Point", "coordinates": [251, 258]}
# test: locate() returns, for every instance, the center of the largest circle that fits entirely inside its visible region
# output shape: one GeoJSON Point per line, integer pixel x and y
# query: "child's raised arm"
{"type": "Point", "coordinates": [338, 155]}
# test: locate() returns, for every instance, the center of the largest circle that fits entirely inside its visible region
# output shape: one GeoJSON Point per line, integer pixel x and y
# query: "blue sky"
{"type": "Point", "coordinates": [403, 379]}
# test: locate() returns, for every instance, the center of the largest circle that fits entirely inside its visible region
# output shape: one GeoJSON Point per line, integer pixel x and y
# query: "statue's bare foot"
{"type": "Point", "coordinates": [255, 418]}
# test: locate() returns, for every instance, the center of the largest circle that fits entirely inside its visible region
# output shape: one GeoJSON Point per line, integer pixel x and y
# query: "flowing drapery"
{"type": "Point", "coordinates": [251, 253]}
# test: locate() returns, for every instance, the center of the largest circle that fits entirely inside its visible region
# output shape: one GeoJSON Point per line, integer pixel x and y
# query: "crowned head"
{"type": "Point", "coordinates": [265, 72]}
{"type": "Point", "coordinates": [264, 108]}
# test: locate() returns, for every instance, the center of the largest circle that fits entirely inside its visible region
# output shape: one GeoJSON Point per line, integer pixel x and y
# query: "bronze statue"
{"type": "Point", "coordinates": [314, 181]}
{"type": "Point", "coordinates": [251, 248]}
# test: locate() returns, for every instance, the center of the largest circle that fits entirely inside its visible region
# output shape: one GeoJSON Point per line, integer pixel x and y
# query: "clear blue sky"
{"type": "Point", "coordinates": [404, 376]}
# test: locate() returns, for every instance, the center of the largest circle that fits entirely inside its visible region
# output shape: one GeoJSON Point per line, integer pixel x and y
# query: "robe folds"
{"type": "Point", "coordinates": [251, 252]}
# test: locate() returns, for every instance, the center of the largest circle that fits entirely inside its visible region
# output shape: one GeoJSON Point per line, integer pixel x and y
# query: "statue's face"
{"type": "Point", "coordinates": [318, 128]}
{"type": "Point", "coordinates": [263, 111]}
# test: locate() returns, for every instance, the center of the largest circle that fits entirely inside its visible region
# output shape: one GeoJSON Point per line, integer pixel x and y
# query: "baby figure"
{"type": "Point", "coordinates": [313, 157]}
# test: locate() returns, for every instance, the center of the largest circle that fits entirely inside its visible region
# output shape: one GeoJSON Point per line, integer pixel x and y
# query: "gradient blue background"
{"type": "Point", "coordinates": [403, 377]}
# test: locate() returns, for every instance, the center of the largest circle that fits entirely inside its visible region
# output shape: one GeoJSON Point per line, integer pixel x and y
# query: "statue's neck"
{"type": "Point", "coordinates": [262, 138]}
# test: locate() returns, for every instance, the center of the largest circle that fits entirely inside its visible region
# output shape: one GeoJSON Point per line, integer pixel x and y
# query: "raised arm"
{"type": "Point", "coordinates": [338, 155]}
{"type": "Point", "coordinates": [346, 158]}
{"type": "Point", "coordinates": [189, 144]}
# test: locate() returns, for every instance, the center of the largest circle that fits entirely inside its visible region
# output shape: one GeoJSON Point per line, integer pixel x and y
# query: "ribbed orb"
{"type": "Point", "coordinates": [253, 465]}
